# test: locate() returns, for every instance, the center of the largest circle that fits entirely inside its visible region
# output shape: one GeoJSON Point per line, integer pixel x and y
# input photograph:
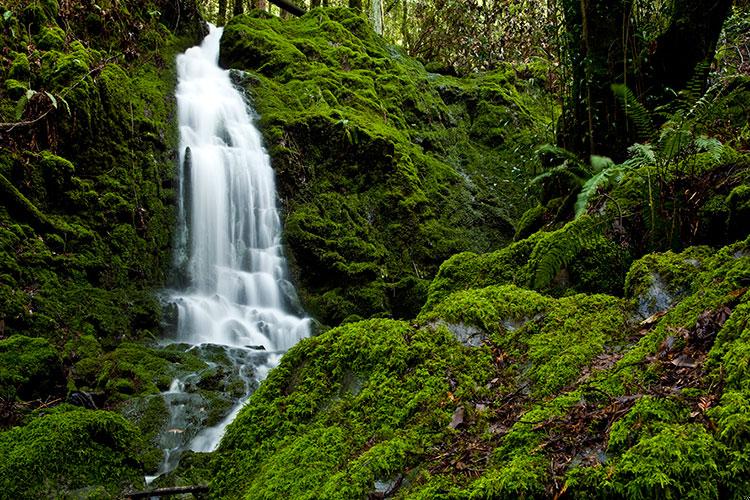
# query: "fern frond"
{"type": "Point", "coordinates": [606, 178]}
{"type": "Point", "coordinates": [640, 155]}
{"type": "Point", "coordinates": [638, 114]}
{"type": "Point", "coordinates": [694, 88]}
{"type": "Point", "coordinates": [559, 249]}
{"type": "Point", "coordinates": [710, 145]}
{"type": "Point", "coordinates": [704, 104]}
{"type": "Point", "coordinates": [599, 163]}
{"type": "Point", "coordinates": [673, 141]}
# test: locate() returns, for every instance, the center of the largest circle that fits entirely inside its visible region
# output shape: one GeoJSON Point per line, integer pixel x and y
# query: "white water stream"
{"type": "Point", "coordinates": [229, 237]}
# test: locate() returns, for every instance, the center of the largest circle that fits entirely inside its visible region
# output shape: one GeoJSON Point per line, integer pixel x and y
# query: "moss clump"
{"type": "Point", "coordinates": [67, 450]}
{"type": "Point", "coordinates": [367, 410]}
{"type": "Point", "coordinates": [578, 257]}
{"type": "Point", "coordinates": [422, 166]}
{"type": "Point", "coordinates": [28, 368]}
{"type": "Point", "coordinates": [658, 280]}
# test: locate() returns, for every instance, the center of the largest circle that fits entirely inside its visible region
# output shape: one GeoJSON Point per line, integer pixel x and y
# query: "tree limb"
{"type": "Point", "coordinates": [163, 492]}
{"type": "Point", "coordinates": [289, 6]}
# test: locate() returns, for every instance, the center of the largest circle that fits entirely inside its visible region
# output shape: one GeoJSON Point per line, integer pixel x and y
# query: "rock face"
{"type": "Point", "coordinates": [384, 170]}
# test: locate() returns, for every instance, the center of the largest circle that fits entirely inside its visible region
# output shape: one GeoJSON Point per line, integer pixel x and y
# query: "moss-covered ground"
{"type": "Point", "coordinates": [502, 392]}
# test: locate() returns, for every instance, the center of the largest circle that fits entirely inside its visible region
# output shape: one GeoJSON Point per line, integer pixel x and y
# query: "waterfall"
{"type": "Point", "coordinates": [229, 234]}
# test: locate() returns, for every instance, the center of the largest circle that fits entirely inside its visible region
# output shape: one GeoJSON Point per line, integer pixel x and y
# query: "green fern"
{"type": "Point", "coordinates": [604, 179]}
{"type": "Point", "coordinates": [559, 249]}
{"type": "Point", "coordinates": [639, 115]}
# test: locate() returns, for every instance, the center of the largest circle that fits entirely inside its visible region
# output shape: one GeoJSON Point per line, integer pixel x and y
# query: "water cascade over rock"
{"type": "Point", "coordinates": [236, 296]}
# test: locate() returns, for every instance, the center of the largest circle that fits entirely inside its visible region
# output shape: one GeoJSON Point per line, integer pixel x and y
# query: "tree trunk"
{"type": "Point", "coordinates": [602, 52]}
{"type": "Point", "coordinates": [686, 49]}
{"type": "Point", "coordinates": [288, 6]}
{"type": "Point", "coordinates": [597, 34]}
{"type": "Point", "coordinates": [376, 16]}
{"type": "Point", "coordinates": [222, 17]}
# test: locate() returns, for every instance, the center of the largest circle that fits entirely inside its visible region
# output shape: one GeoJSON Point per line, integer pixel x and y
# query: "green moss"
{"type": "Point", "coordinates": [68, 449]}
{"type": "Point", "coordinates": [657, 280]}
{"type": "Point", "coordinates": [50, 38]}
{"type": "Point", "coordinates": [28, 368]}
{"type": "Point", "coordinates": [20, 69]}
{"type": "Point", "coordinates": [416, 171]}
{"type": "Point", "coordinates": [531, 222]}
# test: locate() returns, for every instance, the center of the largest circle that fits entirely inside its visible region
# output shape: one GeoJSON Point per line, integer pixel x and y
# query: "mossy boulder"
{"type": "Point", "coordinates": [29, 368]}
{"type": "Point", "coordinates": [579, 257]}
{"type": "Point", "coordinates": [71, 452]}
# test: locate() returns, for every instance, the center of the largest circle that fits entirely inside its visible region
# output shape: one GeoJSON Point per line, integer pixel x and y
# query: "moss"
{"type": "Point", "coordinates": [373, 404]}
{"type": "Point", "coordinates": [531, 222]}
{"type": "Point", "coordinates": [680, 461]}
{"type": "Point", "coordinates": [738, 202]}
{"type": "Point", "coordinates": [20, 69]}
{"type": "Point", "coordinates": [67, 449]}
{"type": "Point", "coordinates": [50, 38]}
{"type": "Point", "coordinates": [658, 280]}
{"type": "Point", "coordinates": [29, 368]}
{"type": "Point", "coordinates": [415, 174]}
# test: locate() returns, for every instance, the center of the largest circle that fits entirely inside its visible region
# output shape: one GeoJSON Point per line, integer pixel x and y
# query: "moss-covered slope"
{"type": "Point", "coordinates": [501, 392]}
{"type": "Point", "coordinates": [384, 170]}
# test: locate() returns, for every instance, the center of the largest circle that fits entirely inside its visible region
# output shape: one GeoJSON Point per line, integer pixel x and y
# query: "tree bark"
{"type": "Point", "coordinates": [685, 50]}
{"type": "Point", "coordinates": [597, 42]}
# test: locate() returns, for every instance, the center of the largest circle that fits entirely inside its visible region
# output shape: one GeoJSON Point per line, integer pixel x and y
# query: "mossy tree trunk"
{"type": "Point", "coordinates": [602, 50]}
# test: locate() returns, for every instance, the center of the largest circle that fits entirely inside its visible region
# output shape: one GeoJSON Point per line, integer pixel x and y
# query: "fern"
{"type": "Point", "coordinates": [639, 115]}
{"type": "Point", "coordinates": [710, 145]}
{"type": "Point", "coordinates": [559, 249]}
{"type": "Point", "coordinates": [640, 155]}
{"type": "Point", "coordinates": [606, 178]}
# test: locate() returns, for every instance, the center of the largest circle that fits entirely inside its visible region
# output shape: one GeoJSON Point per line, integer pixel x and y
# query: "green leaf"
{"type": "Point", "coordinates": [7, 15]}
{"type": "Point", "coordinates": [21, 106]}
{"type": "Point", "coordinates": [52, 99]}
{"type": "Point", "coordinates": [30, 93]}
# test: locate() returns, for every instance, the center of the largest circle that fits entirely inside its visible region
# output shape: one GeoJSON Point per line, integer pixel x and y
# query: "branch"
{"type": "Point", "coordinates": [163, 492]}
{"type": "Point", "coordinates": [290, 7]}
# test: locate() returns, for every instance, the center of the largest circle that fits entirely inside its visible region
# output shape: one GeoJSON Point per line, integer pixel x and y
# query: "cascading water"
{"type": "Point", "coordinates": [230, 238]}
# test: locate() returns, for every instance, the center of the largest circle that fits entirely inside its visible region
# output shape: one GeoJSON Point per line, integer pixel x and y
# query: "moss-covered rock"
{"type": "Point", "coordinates": [29, 368]}
{"type": "Point", "coordinates": [384, 170]}
{"type": "Point", "coordinates": [71, 452]}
